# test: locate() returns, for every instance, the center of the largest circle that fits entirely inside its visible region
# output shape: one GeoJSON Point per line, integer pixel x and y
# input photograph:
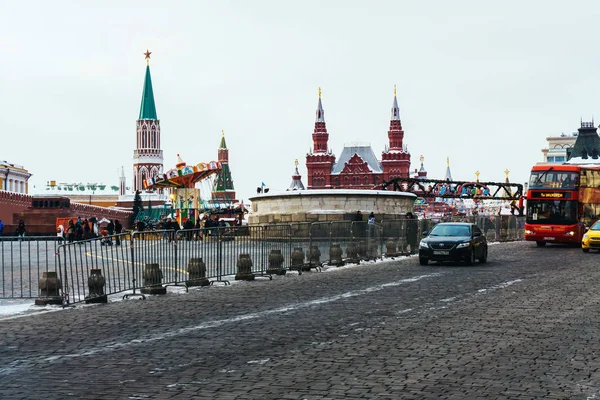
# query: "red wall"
{"type": "Point", "coordinates": [14, 207]}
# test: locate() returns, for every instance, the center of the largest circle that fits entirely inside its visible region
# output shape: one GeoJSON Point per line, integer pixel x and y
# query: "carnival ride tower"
{"type": "Point", "coordinates": [147, 156]}
{"type": "Point", "coordinates": [320, 160]}
{"type": "Point", "coordinates": [395, 160]}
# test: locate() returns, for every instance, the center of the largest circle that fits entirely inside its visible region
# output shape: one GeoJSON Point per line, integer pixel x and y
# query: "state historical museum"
{"type": "Point", "coordinates": [358, 166]}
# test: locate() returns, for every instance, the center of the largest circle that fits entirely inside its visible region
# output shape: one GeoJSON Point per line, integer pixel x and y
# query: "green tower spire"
{"type": "Point", "coordinates": [223, 145]}
{"type": "Point", "coordinates": [224, 183]}
{"type": "Point", "coordinates": [148, 108]}
{"type": "Point", "coordinates": [223, 189]}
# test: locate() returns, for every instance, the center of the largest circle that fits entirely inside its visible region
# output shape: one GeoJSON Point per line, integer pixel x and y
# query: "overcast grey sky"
{"type": "Point", "coordinates": [483, 83]}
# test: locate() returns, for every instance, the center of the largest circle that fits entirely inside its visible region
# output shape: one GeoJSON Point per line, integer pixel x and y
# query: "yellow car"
{"type": "Point", "coordinates": [591, 238]}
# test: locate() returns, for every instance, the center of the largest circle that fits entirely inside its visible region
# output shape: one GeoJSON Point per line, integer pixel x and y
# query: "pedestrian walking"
{"type": "Point", "coordinates": [21, 229]}
{"type": "Point", "coordinates": [371, 224]}
{"type": "Point", "coordinates": [197, 227]}
{"type": "Point", "coordinates": [110, 228]}
{"type": "Point", "coordinates": [1, 228]}
{"type": "Point", "coordinates": [71, 231]}
{"type": "Point", "coordinates": [118, 231]}
{"type": "Point", "coordinates": [60, 232]}
{"type": "Point", "coordinates": [412, 228]}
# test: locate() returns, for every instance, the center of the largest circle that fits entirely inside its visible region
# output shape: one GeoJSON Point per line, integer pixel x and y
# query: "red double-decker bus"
{"type": "Point", "coordinates": [562, 200]}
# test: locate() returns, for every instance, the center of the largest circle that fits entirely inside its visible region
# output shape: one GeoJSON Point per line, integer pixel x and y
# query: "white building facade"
{"type": "Point", "coordinates": [13, 178]}
{"type": "Point", "coordinates": [556, 152]}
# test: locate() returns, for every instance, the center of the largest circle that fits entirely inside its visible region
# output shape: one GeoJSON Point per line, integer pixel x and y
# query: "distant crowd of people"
{"type": "Point", "coordinates": [194, 228]}
{"type": "Point", "coordinates": [85, 229]}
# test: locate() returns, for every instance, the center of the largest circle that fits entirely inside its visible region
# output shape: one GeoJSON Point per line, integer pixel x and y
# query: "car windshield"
{"type": "Point", "coordinates": [450, 230]}
{"type": "Point", "coordinates": [596, 226]}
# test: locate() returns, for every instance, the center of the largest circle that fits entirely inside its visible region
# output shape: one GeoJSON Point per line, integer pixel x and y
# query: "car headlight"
{"type": "Point", "coordinates": [423, 245]}
{"type": "Point", "coordinates": [586, 236]}
{"type": "Point", "coordinates": [570, 233]}
{"type": "Point", "coordinates": [528, 232]}
{"type": "Point", "coordinates": [463, 245]}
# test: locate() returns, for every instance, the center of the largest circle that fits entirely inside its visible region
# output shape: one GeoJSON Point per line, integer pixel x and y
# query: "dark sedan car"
{"type": "Point", "coordinates": [453, 241]}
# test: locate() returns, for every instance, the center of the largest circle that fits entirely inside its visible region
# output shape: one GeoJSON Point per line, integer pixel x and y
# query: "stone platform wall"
{"type": "Point", "coordinates": [328, 205]}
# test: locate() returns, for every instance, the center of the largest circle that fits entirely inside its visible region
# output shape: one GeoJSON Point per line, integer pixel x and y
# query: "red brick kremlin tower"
{"type": "Point", "coordinates": [395, 160]}
{"type": "Point", "coordinates": [357, 167]}
{"type": "Point", "coordinates": [320, 160]}
{"type": "Point", "coordinates": [147, 156]}
{"type": "Point", "coordinates": [223, 190]}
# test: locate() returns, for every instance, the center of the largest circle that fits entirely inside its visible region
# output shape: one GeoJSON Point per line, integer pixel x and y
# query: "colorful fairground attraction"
{"type": "Point", "coordinates": [185, 184]}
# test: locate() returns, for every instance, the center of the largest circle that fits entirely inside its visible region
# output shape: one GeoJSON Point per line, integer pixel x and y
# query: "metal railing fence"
{"type": "Point", "coordinates": [126, 262]}
{"type": "Point", "coordinates": [23, 261]}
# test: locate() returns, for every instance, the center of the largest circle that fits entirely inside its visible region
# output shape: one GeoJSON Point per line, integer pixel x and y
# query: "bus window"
{"type": "Point", "coordinates": [559, 212]}
{"type": "Point", "coordinates": [553, 179]}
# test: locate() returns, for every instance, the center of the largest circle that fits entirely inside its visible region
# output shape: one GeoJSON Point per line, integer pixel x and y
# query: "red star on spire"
{"type": "Point", "coordinates": [147, 54]}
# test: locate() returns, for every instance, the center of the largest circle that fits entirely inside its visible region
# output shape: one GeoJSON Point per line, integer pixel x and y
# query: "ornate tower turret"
{"type": "Point", "coordinates": [320, 135]}
{"type": "Point", "coordinates": [395, 160]}
{"type": "Point", "coordinates": [422, 174]}
{"type": "Point", "coordinates": [122, 187]}
{"type": "Point", "coordinates": [147, 156]}
{"type": "Point", "coordinates": [587, 145]}
{"type": "Point", "coordinates": [223, 190]}
{"type": "Point", "coordinates": [296, 180]}
{"type": "Point", "coordinates": [448, 176]}
{"type": "Point", "coordinates": [320, 160]}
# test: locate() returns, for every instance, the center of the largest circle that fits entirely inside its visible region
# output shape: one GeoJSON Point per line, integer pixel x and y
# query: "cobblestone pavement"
{"type": "Point", "coordinates": [524, 325]}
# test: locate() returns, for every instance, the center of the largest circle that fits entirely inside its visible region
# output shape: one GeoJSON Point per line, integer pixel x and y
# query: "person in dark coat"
{"type": "Point", "coordinates": [87, 231]}
{"type": "Point", "coordinates": [189, 226]}
{"type": "Point", "coordinates": [173, 226]}
{"type": "Point", "coordinates": [118, 231]}
{"type": "Point", "coordinates": [21, 229]}
{"type": "Point", "coordinates": [412, 227]}
{"type": "Point", "coordinates": [71, 231]}
{"type": "Point", "coordinates": [110, 228]}
{"type": "Point", "coordinates": [197, 227]}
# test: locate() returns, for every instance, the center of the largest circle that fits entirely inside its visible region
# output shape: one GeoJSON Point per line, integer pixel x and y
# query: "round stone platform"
{"type": "Point", "coordinates": [321, 205]}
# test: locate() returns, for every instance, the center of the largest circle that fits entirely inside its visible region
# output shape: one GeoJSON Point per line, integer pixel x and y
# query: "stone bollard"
{"type": "Point", "coordinates": [50, 287]}
{"type": "Point", "coordinates": [96, 284]}
{"type": "Point", "coordinates": [351, 255]}
{"type": "Point", "coordinates": [314, 258]}
{"type": "Point", "coordinates": [297, 258]}
{"type": "Point", "coordinates": [244, 268]}
{"type": "Point", "coordinates": [276, 263]}
{"type": "Point", "coordinates": [373, 249]}
{"type": "Point", "coordinates": [153, 280]}
{"type": "Point", "coordinates": [335, 255]}
{"type": "Point", "coordinates": [391, 250]}
{"type": "Point", "coordinates": [197, 273]}
{"type": "Point", "coordinates": [361, 249]}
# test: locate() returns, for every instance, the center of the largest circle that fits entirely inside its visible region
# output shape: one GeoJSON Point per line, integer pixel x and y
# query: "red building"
{"type": "Point", "coordinates": [358, 166]}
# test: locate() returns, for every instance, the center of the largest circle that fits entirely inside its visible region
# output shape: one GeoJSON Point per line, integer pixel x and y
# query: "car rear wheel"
{"type": "Point", "coordinates": [471, 259]}
{"type": "Point", "coordinates": [483, 258]}
{"type": "Point", "coordinates": [423, 260]}
{"type": "Point", "coordinates": [540, 243]}
{"type": "Point", "coordinates": [586, 250]}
